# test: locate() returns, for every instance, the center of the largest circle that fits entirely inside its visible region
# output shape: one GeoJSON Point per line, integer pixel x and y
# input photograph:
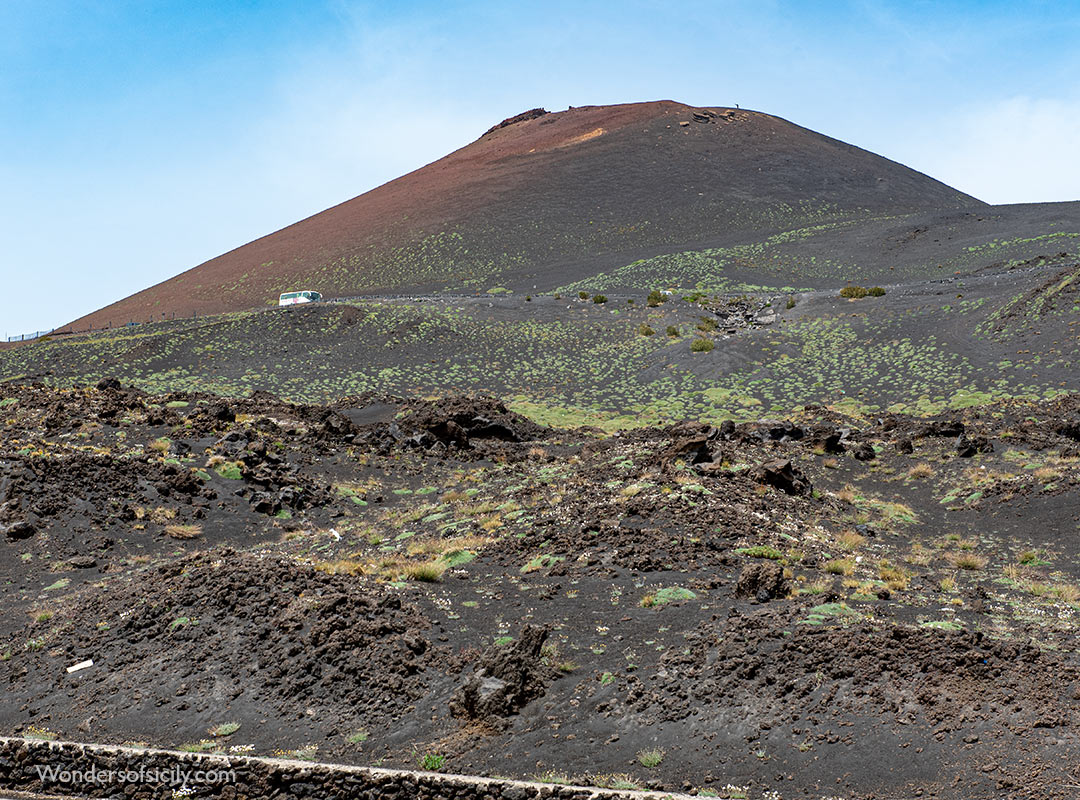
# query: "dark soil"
{"type": "Point", "coordinates": [382, 579]}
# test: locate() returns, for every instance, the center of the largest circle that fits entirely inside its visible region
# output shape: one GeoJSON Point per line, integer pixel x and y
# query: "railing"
{"type": "Point", "coordinates": [165, 317]}
{"type": "Point", "coordinates": [26, 337]}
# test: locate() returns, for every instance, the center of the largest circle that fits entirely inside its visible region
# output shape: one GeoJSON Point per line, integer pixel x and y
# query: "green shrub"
{"type": "Point", "coordinates": [599, 298]}
{"type": "Point", "coordinates": [840, 566]}
{"type": "Point", "coordinates": [656, 297]}
{"type": "Point", "coordinates": [853, 291]}
{"type": "Point", "coordinates": [427, 572]}
{"type": "Point", "coordinates": [359, 737]}
{"type": "Point", "coordinates": [708, 324]}
{"type": "Point", "coordinates": [225, 729]}
{"type": "Point", "coordinates": [790, 303]}
{"type": "Point", "coordinates": [672, 330]}
{"type": "Point", "coordinates": [305, 753]}
{"type": "Point", "coordinates": [645, 330]}
{"type": "Point", "coordinates": [583, 295]}
{"type": "Point", "coordinates": [701, 345]}
{"type": "Point", "coordinates": [230, 470]}
{"type": "Point", "coordinates": [650, 758]}
{"type": "Point", "coordinates": [876, 291]}
{"type": "Point", "coordinates": [431, 762]}
{"type": "Point", "coordinates": [669, 594]}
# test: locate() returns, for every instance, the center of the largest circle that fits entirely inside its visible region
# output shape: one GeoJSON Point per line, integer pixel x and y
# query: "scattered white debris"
{"type": "Point", "coordinates": [81, 665]}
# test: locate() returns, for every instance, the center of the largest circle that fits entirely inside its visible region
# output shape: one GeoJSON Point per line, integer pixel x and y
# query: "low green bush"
{"type": "Point", "coordinates": [701, 345]}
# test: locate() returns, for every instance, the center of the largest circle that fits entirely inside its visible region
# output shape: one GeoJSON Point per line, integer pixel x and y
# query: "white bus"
{"type": "Point", "coordinates": [292, 298]}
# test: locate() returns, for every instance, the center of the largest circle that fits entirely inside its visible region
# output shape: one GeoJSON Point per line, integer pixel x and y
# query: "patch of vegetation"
{"type": "Point", "coordinates": [669, 594]}
{"type": "Point", "coordinates": [942, 625]}
{"type": "Point", "coordinates": [431, 762]}
{"type": "Point", "coordinates": [761, 551]}
{"type": "Point", "coordinates": [542, 561]}
{"type": "Point", "coordinates": [555, 776]}
{"type": "Point", "coordinates": [183, 531]}
{"type": "Point", "coordinates": [840, 566]}
{"type": "Point", "coordinates": [455, 558]}
{"type": "Point", "coordinates": [701, 345]}
{"type": "Point", "coordinates": [619, 783]}
{"type": "Point", "coordinates": [161, 446]}
{"type": "Point", "coordinates": [224, 729]}
{"type": "Point", "coordinates": [650, 758]}
{"type": "Point", "coordinates": [426, 572]}
{"type": "Point", "coordinates": [357, 737]}
{"type": "Point", "coordinates": [229, 470]}
{"type": "Point", "coordinates": [204, 746]}
{"type": "Point", "coordinates": [967, 561]}
{"type": "Point", "coordinates": [895, 578]}
{"type": "Point", "coordinates": [829, 611]}
{"type": "Point", "coordinates": [39, 733]}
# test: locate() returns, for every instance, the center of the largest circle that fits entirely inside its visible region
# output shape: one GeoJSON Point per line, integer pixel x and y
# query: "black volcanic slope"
{"type": "Point", "coordinates": [556, 198]}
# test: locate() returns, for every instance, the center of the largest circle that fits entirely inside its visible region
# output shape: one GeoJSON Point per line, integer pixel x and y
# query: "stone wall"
{"type": "Point", "coordinates": [101, 771]}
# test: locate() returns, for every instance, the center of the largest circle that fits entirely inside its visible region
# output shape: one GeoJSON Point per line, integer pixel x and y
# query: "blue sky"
{"type": "Point", "coordinates": [139, 138]}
